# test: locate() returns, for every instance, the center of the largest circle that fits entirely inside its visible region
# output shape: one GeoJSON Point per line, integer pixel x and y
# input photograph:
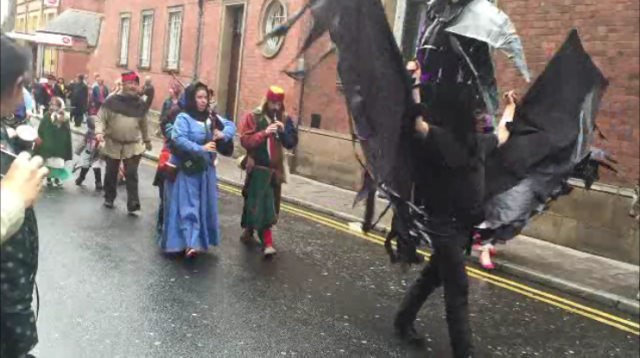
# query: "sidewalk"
{"type": "Point", "coordinates": [608, 282]}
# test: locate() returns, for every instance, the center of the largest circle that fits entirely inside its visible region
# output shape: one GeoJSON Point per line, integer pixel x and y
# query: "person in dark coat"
{"type": "Point", "coordinates": [148, 93]}
{"type": "Point", "coordinates": [79, 101]}
{"type": "Point", "coordinates": [60, 89]}
{"type": "Point", "coordinates": [450, 187]}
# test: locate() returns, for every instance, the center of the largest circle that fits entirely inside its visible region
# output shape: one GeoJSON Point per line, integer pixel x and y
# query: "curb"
{"type": "Point", "coordinates": [609, 300]}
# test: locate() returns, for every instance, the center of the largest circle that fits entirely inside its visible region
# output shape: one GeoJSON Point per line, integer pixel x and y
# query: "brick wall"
{"type": "Point", "coordinates": [105, 57]}
{"type": "Point", "coordinates": [609, 31]}
{"type": "Point", "coordinates": [72, 62]}
{"type": "Point", "coordinates": [257, 73]}
{"type": "Point", "coordinates": [86, 5]}
{"type": "Point", "coordinates": [322, 94]}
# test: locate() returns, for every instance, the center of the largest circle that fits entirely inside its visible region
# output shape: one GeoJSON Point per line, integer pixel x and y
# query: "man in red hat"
{"type": "Point", "coordinates": [122, 124]}
{"type": "Point", "coordinates": [264, 134]}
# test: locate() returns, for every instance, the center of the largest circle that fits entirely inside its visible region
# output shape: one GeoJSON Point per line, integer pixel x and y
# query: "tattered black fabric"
{"type": "Point", "coordinates": [548, 120]}
{"type": "Point", "coordinates": [550, 139]}
{"type": "Point", "coordinates": [550, 133]}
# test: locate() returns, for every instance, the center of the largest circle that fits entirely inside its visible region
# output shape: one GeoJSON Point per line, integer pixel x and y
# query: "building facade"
{"type": "Point", "coordinates": [215, 42]}
{"type": "Point", "coordinates": [60, 46]}
{"type": "Point", "coordinates": [31, 16]}
{"type": "Point", "coordinates": [159, 39]}
{"type": "Point", "coordinates": [609, 32]}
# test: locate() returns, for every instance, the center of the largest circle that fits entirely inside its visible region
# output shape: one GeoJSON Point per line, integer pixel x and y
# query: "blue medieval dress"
{"type": "Point", "coordinates": [191, 200]}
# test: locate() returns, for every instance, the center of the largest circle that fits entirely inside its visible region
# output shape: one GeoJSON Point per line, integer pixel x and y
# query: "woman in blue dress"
{"type": "Point", "coordinates": [191, 196]}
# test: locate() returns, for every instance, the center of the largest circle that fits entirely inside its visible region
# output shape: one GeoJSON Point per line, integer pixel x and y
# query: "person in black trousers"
{"type": "Point", "coordinates": [450, 187]}
{"type": "Point", "coordinates": [79, 101]}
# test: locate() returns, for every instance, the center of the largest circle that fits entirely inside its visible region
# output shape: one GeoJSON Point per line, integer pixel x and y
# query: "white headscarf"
{"type": "Point", "coordinates": [56, 118]}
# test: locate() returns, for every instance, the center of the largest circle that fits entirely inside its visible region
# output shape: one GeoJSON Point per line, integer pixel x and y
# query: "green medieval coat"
{"type": "Point", "coordinates": [265, 169]}
{"type": "Point", "coordinates": [55, 143]}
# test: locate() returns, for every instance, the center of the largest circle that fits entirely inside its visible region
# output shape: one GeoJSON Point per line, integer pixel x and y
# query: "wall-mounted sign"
{"type": "Point", "coordinates": [51, 3]}
{"type": "Point", "coordinates": [54, 39]}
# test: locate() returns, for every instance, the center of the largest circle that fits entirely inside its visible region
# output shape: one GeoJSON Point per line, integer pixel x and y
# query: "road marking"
{"type": "Point", "coordinates": [492, 278]}
{"type": "Point", "coordinates": [531, 292]}
{"type": "Point", "coordinates": [568, 305]}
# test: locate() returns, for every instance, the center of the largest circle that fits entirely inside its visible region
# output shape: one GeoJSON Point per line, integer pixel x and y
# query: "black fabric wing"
{"type": "Point", "coordinates": [375, 84]}
{"type": "Point", "coordinates": [548, 140]}
{"type": "Point", "coordinates": [547, 122]}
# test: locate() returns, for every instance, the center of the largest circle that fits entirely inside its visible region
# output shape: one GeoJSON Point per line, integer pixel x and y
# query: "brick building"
{"type": "Point", "coordinates": [61, 33]}
{"type": "Point", "coordinates": [609, 31]}
{"type": "Point", "coordinates": [159, 38]}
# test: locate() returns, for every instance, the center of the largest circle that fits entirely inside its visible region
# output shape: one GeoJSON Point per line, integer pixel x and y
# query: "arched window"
{"type": "Point", "coordinates": [275, 14]}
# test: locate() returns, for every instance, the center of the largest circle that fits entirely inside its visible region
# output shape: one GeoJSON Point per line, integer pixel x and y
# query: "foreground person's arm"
{"type": "Point", "coordinates": [19, 190]}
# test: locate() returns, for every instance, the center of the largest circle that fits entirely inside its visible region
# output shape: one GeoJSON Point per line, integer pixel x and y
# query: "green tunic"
{"type": "Point", "coordinates": [56, 143]}
{"type": "Point", "coordinates": [259, 192]}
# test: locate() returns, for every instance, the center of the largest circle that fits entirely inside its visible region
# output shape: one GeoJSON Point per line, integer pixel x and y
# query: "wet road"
{"type": "Point", "coordinates": [107, 291]}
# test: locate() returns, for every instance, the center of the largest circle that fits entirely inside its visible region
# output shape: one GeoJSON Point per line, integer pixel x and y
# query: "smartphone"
{"type": "Point", "coordinates": [6, 159]}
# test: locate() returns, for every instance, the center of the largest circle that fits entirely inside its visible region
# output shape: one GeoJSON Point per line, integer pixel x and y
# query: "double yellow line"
{"type": "Point", "coordinates": [568, 305]}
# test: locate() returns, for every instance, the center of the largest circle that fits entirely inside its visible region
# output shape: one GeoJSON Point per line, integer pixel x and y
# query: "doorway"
{"type": "Point", "coordinates": [230, 60]}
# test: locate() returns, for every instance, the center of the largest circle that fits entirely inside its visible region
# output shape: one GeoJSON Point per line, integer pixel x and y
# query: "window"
{"type": "Point", "coordinates": [48, 17]}
{"type": "Point", "coordinates": [146, 37]}
{"type": "Point", "coordinates": [21, 24]}
{"type": "Point", "coordinates": [274, 15]}
{"type": "Point", "coordinates": [34, 23]}
{"type": "Point", "coordinates": [125, 30]}
{"type": "Point", "coordinates": [174, 38]}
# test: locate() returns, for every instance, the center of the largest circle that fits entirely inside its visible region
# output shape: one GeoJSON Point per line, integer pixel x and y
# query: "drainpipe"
{"type": "Point", "coordinates": [301, 64]}
{"type": "Point", "coordinates": [196, 66]}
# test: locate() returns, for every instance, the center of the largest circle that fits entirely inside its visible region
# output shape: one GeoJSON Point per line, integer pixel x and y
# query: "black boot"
{"type": "Point", "coordinates": [82, 176]}
{"type": "Point", "coordinates": [97, 172]}
{"type": "Point", "coordinates": [416, 296]}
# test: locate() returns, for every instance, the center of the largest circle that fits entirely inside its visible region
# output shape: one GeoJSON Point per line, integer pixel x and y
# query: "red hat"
{"type": "Point", "coordinates": [130, 76]}
{"type": "Point", "coordinates": [275, 94]}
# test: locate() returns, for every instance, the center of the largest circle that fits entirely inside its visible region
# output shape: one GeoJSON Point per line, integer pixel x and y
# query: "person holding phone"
{"type": "Point", "coordinates": [19, 190]}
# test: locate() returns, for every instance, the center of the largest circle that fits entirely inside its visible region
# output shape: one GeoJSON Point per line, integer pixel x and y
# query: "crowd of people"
{"type": "Point", "coordinates": [117, 135]}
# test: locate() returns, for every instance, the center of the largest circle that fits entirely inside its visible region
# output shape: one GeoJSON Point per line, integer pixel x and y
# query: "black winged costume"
{"type": "Point", "coordinates": [442, 186]}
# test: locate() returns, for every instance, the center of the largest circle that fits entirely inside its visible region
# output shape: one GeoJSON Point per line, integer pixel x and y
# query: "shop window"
{"type": "Point", "coordinates": [50, 64]}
